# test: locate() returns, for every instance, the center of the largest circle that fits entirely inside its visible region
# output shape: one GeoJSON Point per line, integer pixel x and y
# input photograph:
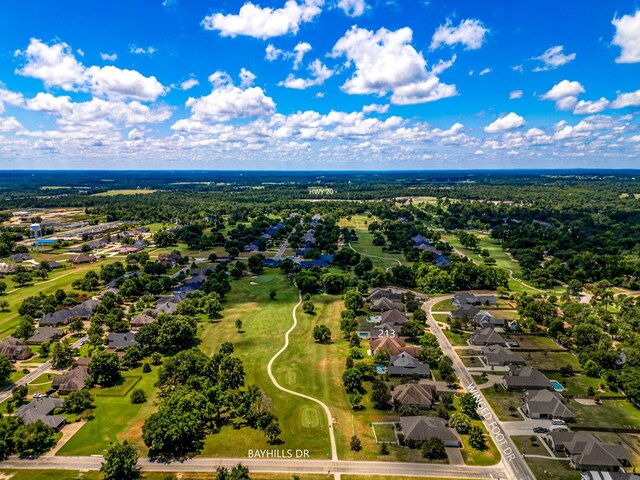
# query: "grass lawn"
{"type": "Point", "coordinates": [444, 306]}
{"type": "Point", "coordinates": [265, 322]}
{"type": "Point", "coordinates": [365, 247]}
{"type": "Point", "coordinates": [612, 413]}
{"type": "Point", "coordinates": [629, 441]}
{"type": "Point", "coordinates": [471, 361]}
{"type": "Point", "coordinates": [116, 418]}
{"type": "Point", "coordinates": [457, 339]}
{"type": "Point", "coordinates": [501, 400]}
{"type": "Point", "coordinates": [534, 342]}
{"type": "Point", "coordinates": [385, 433]}
{"type": "Point", "coordinates": [578, 384]}
{"type": "Point", "coordinates": [555, 469]}
{"type": "Point", "coordinates": [551, 360]}
{"type": "Point", "coordinates": [471, 456]}
{"type": "Point", "coordinates": [528, 447]}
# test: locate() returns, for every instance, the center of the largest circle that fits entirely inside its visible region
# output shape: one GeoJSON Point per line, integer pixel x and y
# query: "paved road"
{"type": "Point", "coordinates": [283, 247]}
{"type": "Point", "coordinates": [332, 437]}
{"type": "Point", "coordinates": [268, 465]}
{"type": "Point", "coordinates": [28, 378]}
{"type": "Point", "coordinates": [517, 469]}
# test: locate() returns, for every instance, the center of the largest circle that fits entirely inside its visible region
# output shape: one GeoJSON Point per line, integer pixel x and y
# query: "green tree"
{"type": "Point", "coordinates": [461, 422]}
{"type": "Point", "coordinates": [33, 439]}
{"type": "Point", "coordinates": [469, 405]}
{"type": "Point", "coordinates": [61, 353]}
{"type": "Point", "coordinates": [380, 396]}
{"type": "Point", "coordinates": [138, 396]}
{"type": "Point", "coordinates": [238, 325]}
{"type": "Point", "coordinates": [22, 278]}
{"type": "Point", "coordinates": [476, 438]}
{"type": "Point", "coordinates": [120, 462]}
{"type": "Point", "coordinates": [3, 288]}
{"type": "Point", "coordinates": [78, 401]}
{"type": "Point", "coordinates": [355, 444]}
{"type": "Point", "coordinates": [76, 325]}
{"type": "Point", "coordinates": [272, 294]}
{"type": "Point", "coordinates": [25, 329]}
{"type": "Point", "coordinates": [104, 369]}
{"type": "Point", "coordinates": [353, 300]}
{"type": "Point", "coordinates": [308, 307]}
{"type": "Point", "coordinates": [433, 449]}
{"type": "Point", "coordinates": [164, 239]}
{"type": "Point", "coordinates": [322, 334]}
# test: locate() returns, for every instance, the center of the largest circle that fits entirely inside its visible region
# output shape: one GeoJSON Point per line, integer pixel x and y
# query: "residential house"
{"type": "Point", "coordinates": [141, 320]}
{"type": "Point", "coordinates": [72, 381]}
{"type": "Point", "coordinates": [419, 429]}
{"type": "Point", "coordinates": [468, 298]}
{"type": "Point", "coordinates": [546, 404]}
{"type": "Point", "coordinates": [390, 293]}
{"type": "Point", "coordinates": [465, 312]}
{"type": "Point", "coordinates": [596, 475]}
{"type": "Point", "coordinates": [587, 453]}
{"type": "Point", "coordinates": [384, 304]}
{"type": "Point", "coordinates": [42, 409]}
{"type": "Point", "coordinates": [121, 340]}
{"type": "Point", "coordinates": [405, 364]}
{"type": "Point", "coordinates": [384, 330]}
{"type": "Point", "coordinates": [421, 395]}
{"type": "Point", "coordinates": [14, 349]}
{"type": "Point", "coordinates": [487, 336]}
{"type": "Point", "coordinates": [170, 259]}
{"type": "Point", "coordinates": [498, 356]}
{"type": "Point", "coordinates": [44, 334]}
{"type": "Point", "coordinates": [83, 310]}
{"type": "Point", "coordinates": [83, 258]}
{"type": "Point", "coordinates": [484, 319]}
{"type": "Point", "coordinates": [395, 346]}
{"type": "Point", "coordinates": [20, 257]}
{"type": "Point", "coordinates": [393, 317]}
{"type": "Point", "coordinates": [526, 378]}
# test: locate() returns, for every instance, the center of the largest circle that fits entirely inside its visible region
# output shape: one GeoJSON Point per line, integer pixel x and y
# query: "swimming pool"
{"type": "Point", "coordinates": [557, 386]}
{"type": "Point", "coordinates": [364, 335]}
{"type": "Point", "coordinates": [374, 319]}
{"type": "Point", "coordinates": [381, 370]}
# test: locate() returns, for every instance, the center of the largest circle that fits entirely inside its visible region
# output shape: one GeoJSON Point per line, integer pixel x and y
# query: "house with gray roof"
{"type": "Point", "coordinates": [487, 336]}
{"type": "Point", "coordinates": [405, 364]}
{"type": "Point", "coordinates": [393, 317]}
{"type": "Point", "coordinates": [419, 429]}
{"type": "Point", "coordinates": [44, 334]}
{"type": "Point", "coordinates": [140, 321]}
{"type": "Point", "coordinates": [384, 329]}
{"type": "Point", "coordinates": [72, 381]}
{"type": "Point", "coordinates": [465, 312]}
{"type": "Point", "coordinates": [596, 475]}
{"type": "Point", "coordinates": [526, 378]}
{"type": "Point", "coordinates": [484, 319]}
{"type": "Point", "coordinates": [392, 294]}
{"type": "Point", "coordinates": [167, 308]}
{"type": "Point", "coordinates": [468, 298]}
{"type": "Point", "coordinates": [587, 453]}
{"type": "Point", "coordinates": [498, 356]}
{"type": "Point", "coordinates": [42, 409]}
{"type": "Point", "coordinates": [384, 304]}
{"type": "Point", "coordinates": [546, 404]}
{"type": "Point", "coordinates": [121, 340]}
{"type": "Point", "coordinates": [421, 395]}
{"type": "Point", "coordinates": [14, 349]}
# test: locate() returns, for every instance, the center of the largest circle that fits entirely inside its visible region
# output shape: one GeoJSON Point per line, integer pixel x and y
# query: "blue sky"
{"type": "Point", "coordinates": [319, 84]}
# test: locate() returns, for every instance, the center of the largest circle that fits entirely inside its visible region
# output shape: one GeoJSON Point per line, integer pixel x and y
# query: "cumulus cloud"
{"type": "Point", "coordinates": [385, 61]}
{"type": "Point", "coordinates": [505, 123]}
{"type": "Point", "coordinates": [319, 72]}
{"type": "Point", "coordinates": [352, 8]}
{"type": "Point", "coordinates": [255, 21]}
{"type": "Point", "coordinates": [56, 66]}
{"type": "Point", "coordinates": [299, 52]}
{"type": "Point", "coordinates": [589, 107]}
{"type": "Point", "coordinates": [109, 57]}
{"type": "Point", "coordinates": [227, 101]}
{"type": "Point", "coordinates": [142, 50]}
{"type": "Point", "coordinates": [515, 94]}
{"type": "Point", "coordinates": [189, 83]}
{"type": "Point", "coordinates": [627, 37]}
{"type": "Point", "coordinates": [12, 98]}
{"type": "Point", "coordinates": [272, 53]}
{"type": "Point", "coordinates": [375, 108]}
{"type": "Point", "coordinates": [9, 124]}
{"type": "Point", "coordinates": [469, 33]}
{"type": "Point", "coordinates": [631, 99]}
{"type": "Point", "coordinates": [484, 71]}
{"type": "Point", "coordinates": [553, 57]}
{"type": "Point", "coordinates": [565, 94]}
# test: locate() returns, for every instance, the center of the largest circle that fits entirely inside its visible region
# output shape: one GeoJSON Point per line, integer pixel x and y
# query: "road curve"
{"type": "Point", "coordinates": [334, 450]}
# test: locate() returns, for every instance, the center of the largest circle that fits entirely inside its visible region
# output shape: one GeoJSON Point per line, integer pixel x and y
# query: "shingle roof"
{"type": "Point", "coordinates": [526, 378]}
{"type": "Point", "coordinates": [545, 402]}
{"type": "Point", "coordinates": [414, 394]}
{"type": "Point", "coordinates": [394, 317]}
{"type": "Point", "coordinates": [498, 355]}
{"type": "Point", "coordinates": [121, 340]}
{"type": "Point", "coordinates": [424, 428]}
{"type": "Point", "coordinates": [487, 336]}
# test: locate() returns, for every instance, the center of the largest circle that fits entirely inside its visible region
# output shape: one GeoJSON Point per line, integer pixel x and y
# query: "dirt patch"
{"type": "Point", "coordinates": [253, 283]}
{"type": "Point", "coordinates": [323, 364]}
{"type": "Point", "coordinates": [585, 401]}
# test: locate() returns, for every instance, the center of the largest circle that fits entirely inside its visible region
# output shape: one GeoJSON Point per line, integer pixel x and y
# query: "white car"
{"type": "Point", "coordinates": [558, 422]}
{"type": "Point", "coordinates": [559, 428]}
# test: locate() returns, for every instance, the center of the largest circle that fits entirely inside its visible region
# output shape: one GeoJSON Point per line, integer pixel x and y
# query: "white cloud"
{"type": "Point", "coordinates": [443, 65]}
{"type": "Point", "coordinates": [631, 99]}
{"type": "Point", "coordinates": [352, 8]}
{"type": "Point", "coordinates": [565, 94]}
{"type": "Point", "coordinates": [246, 78]}
{"type": "Point", "coordinates": [109, 57]}
{"type": "Point", "coordinates": [627, 37]}
{"type": "Point", "coordinates": [56, 66]}
{"type": "Point", "coordinates": [484, 71]}
{"type": "Point", "coordinates": [375, 108]}
{"type": "Point", "coordinates": [589, 107]}
{"type": "Point", "coordinates": [12, 98]}
{"type": "Point", "coordinates": [319, 72]}
{"type": "Point", "coordinates": [469, 33]}
{"type": "Point", "coordinates": [553, 57]}
{"type": "Point", "coordinates": [226, 102]}
{"type": "Point", "coordinates": [299, 51]}
{"type": "Point", "coordinates": [141, 50]}
{"type": "Point", "coordinates": [515, 94]}
{"type": "Point", "coordinates": [507, 122]}
{"type": "Point", "coordinates": [272, 53]}
{"type": "Point", "coordinates": [255, 21]}
{"type": "Point", "coordinates": [189, 83]}
{"type": "Point", "coordinates": [9, 124]}
{"type": "Point", "coordinates": [385, 61]}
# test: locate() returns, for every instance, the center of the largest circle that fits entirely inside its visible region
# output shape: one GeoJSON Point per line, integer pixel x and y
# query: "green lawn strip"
{"type": "Point", "coordinates": [444, 306]}
{"type": "Point", "coordinates": [457, 339]}
{"type": "Point", "coordinates": [612, 413]}
{"type": "Point", "coordinates": [385, 432]}
{"type": "Point", "coordinates": [501, 400]}
{"type": "Point", "coordinates": [527, 446]}
{"type": "Point", "coordinates": [551, 360]}
{"type": "Point", "coordinates": [265, 322]}
{"type": "Point", "coordinates": [365, 247]}
{"type": "Point", "coordinates": [533, 342]}
{"type": "Point", "coordinates": [115, 417]}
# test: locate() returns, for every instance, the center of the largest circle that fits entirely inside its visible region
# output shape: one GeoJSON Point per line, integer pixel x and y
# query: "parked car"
{"type": "Point", "coordinates": [559, 428]}
{"type": "Point", "coordinates": [558, 422]}
{"type": "Point", "coordinates": [540, 430]}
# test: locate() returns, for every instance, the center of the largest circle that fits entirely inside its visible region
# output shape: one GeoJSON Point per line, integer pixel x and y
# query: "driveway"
{"type": "Point", "coordinates": [455, 456]}
{"type": "Point", "coordinates": [524, 427]}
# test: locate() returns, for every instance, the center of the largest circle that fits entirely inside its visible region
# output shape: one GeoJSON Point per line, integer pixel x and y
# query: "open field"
{"type": "Point", "coordinates": [502, 401]}
{"type": "Point", "coordinates": [115, 417]}
{"type": "Point", "coordinates": [533, 342]}
{"type": "Point", "coordinates": [541, 467]}
{"type": "Point", "coordinates": [612, 413]}
{"type": "Point", "coordinates": [551, 360]}
{"type": "Point", "coordinates": [111, 193]}
{"type": "Point", "coordinates": [471, 456]}
{"type": "Point", "coordinates": [578, 385]}
{"type": "Point", "coordinates": [457, 339]}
